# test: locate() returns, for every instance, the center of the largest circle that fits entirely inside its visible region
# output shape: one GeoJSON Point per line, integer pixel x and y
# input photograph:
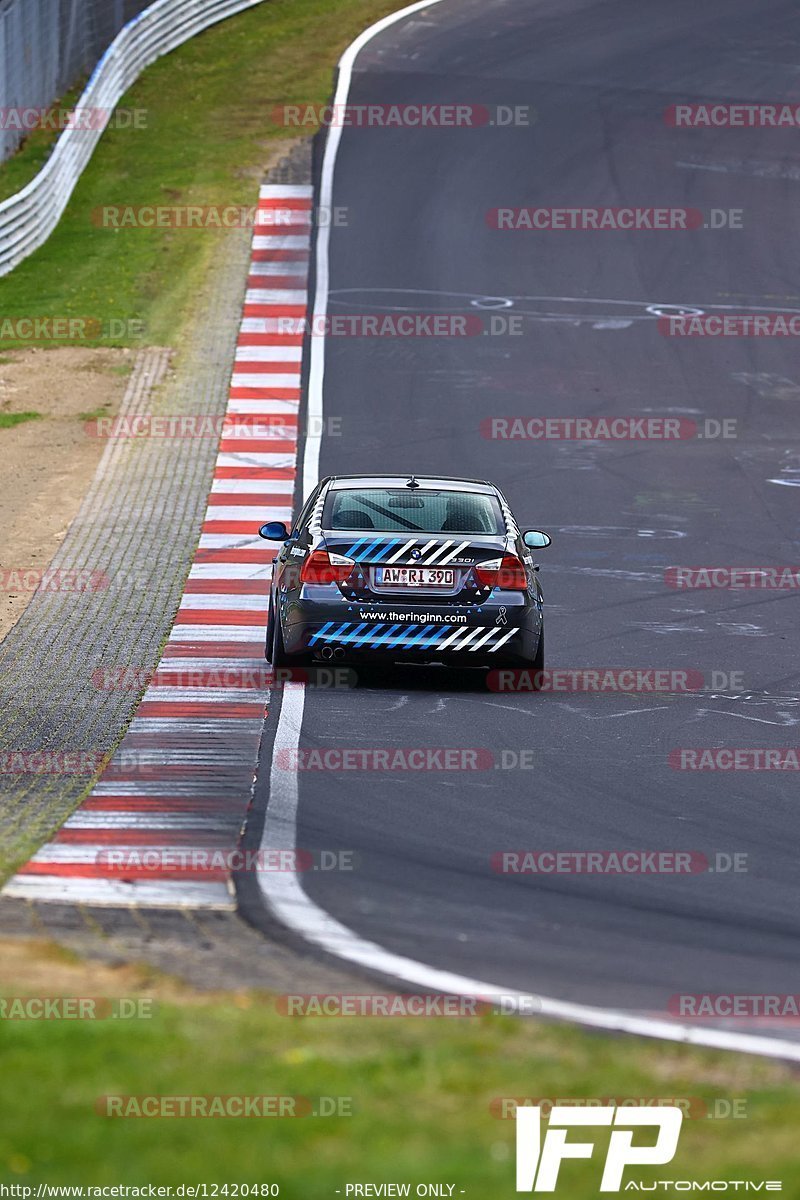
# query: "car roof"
{"type": "Point", "coordinates": [444, 482]}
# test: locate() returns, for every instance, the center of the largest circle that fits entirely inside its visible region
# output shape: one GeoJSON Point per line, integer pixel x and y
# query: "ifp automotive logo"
{"type": "Point", "coordinates": [539, 1161]}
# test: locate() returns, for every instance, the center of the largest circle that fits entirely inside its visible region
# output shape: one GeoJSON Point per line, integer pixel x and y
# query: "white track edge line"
{"type": "Point", "coordinates": [285, 896]}
{"type": "Point", "coordinates": [296, 911]}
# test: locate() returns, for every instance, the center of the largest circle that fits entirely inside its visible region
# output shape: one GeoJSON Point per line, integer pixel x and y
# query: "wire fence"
{"type": "Point", "coordinates": [47, 46]}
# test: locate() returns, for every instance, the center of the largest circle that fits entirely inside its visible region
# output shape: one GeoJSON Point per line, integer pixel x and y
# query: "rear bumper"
{"type": "Point", "coordinates": [390, 631]}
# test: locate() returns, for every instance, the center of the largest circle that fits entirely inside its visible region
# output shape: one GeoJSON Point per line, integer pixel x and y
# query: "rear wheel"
{"type": "Point", "coordinates": [538, 662]}
{"type": "Point", "coordinates": [270, 633]}
{"type": "Point", "coordinates": [278, 654]}
{"type": "Point", "coordinates": [531, 669]}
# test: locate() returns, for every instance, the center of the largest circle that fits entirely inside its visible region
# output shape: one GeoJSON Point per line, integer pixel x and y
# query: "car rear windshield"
{"type": "Point", "coordinates": [397, 510]}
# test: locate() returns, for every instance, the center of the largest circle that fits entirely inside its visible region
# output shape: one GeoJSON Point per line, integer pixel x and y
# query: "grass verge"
{"type": "Point", "coordinates": [9, 420]}
{"type": "Point", "coordinates": [422, 1092]}
{"type": "Point", "coordinates": [208, 135]}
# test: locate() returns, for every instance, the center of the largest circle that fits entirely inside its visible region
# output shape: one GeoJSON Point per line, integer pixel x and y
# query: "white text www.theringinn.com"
{"type": "Point", "coordinates": [421, 618]}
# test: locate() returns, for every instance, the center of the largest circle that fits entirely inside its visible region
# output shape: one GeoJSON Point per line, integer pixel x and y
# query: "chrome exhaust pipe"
{"type": "Point", "coordinates": [338, 652]}
{"type": "Point", "coordinates": [327, 652]}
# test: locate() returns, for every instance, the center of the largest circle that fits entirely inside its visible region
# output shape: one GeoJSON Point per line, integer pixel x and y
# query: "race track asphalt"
{"type": "Point", "coordinates": [598, 75]}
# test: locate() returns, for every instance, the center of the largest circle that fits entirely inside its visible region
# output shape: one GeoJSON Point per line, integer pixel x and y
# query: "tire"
{"type": "Point", "coordinates": [270, 633]}
{"type": "Point", "coordinates": [538, 662]}
{"type": "Point", "coordinates": [533, 667]}
{"type": "Point", "coordinates": [278, 656]}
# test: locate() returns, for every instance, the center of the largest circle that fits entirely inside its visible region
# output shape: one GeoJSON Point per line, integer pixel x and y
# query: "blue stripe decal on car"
{"type": "Point", "coordinates": [320, 633]}
{"type": "Point", "coordinates": [386, 637]}
{"type": "Point", "coordinates": [334, 637]}
{"type": "Point", "coordinates": [349, 637]}
{"type": "Point", "coordinates": [401, 638]}
{"type": "Point", "coordinates": [425, 629]}
{"type": "Point", "coordinates": [385, 549]}
{"type": "Point", "coordinates": [351, 552]}
{"type": "Point", "coordinates": [382, 634]}
{"type": "Point", "coordinates": [367, 637]}
{"type": "Point", "coordinates": [375, 542]}
{"type": "Point", "coordinates": [436, 637]}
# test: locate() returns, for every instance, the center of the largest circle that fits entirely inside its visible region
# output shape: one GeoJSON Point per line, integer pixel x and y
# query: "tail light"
{"type": "Point", "coordinates": [323, 567]}
{"type": "Point", "coordinates": [506, 573]}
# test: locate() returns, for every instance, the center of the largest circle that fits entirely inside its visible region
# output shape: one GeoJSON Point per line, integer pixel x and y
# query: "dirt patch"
{"type": "Point", "coordinates": [199, 953]}
{"type": "Point", "coordinates": [48, 462]}
{"type": "Point", "coordinates": [38, 968]}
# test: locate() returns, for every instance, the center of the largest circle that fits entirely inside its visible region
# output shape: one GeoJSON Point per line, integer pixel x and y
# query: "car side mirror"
{"type": "Point", "coordinates": [274, 531]}
{"type": "Point", "coordinates": [535, 539]}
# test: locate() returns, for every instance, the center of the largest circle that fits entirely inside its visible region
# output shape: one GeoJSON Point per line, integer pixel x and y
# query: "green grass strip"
{"type": "Point", "coordinates": [208, 133]}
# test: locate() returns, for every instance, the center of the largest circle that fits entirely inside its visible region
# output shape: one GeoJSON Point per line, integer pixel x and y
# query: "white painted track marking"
{"type": "Point", "coordinates": [283, 892]}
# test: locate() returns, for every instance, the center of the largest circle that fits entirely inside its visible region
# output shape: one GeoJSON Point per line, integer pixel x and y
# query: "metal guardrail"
{"type": "Point", "coordinates": [29, 217]}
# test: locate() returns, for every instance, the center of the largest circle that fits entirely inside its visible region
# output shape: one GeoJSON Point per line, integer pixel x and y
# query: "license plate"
{"type": "Point", "coordinates": [415, 577]}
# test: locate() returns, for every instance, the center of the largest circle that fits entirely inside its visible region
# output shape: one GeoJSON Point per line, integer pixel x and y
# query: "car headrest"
{"type": "Point", "coordinates": [461, 516]}
{"type": "Point", "coordinates": [353, 518]}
